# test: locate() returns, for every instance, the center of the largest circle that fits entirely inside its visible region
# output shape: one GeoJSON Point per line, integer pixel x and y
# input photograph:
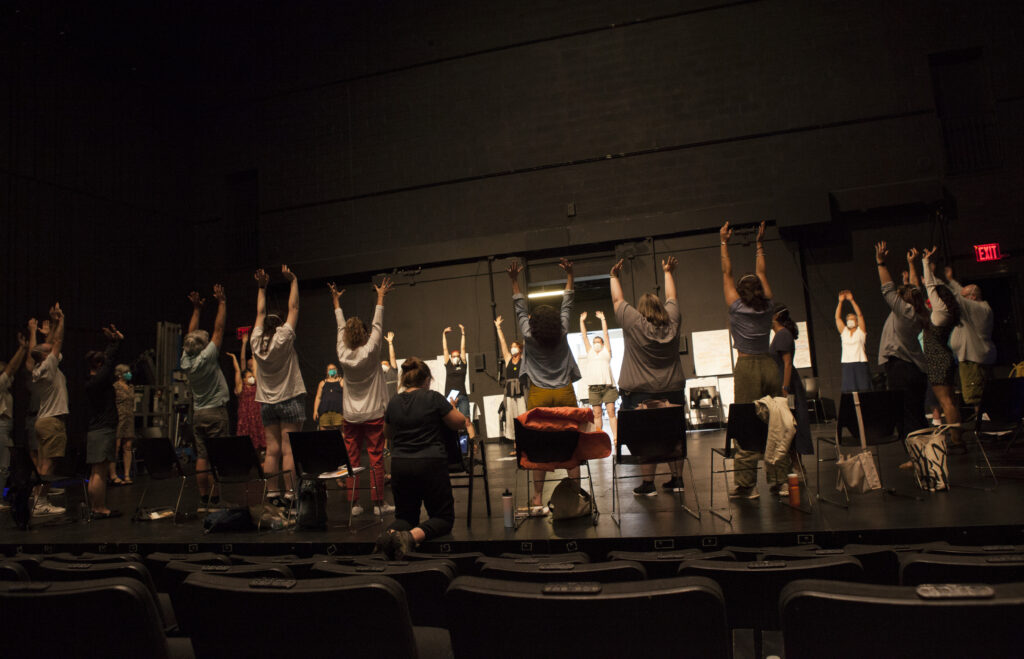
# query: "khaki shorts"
{"type": "Point", "coordinates": [208, 423]}
{"type": "Point", "coordinates": [561, 397]}
{"type": "Point", "coordinates": [330, 420]}
{"type": "Point", "coordinates": [972, 381]}
{"type": "Point", "coordinates": [52, 436]}
{"type": "Point", "coordinates": [602, 394]}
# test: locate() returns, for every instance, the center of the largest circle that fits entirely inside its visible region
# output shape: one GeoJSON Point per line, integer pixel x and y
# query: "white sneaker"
{"type": "Point", "coordinates": [357, 510]}
{"type": "Point", "coordinates": [47, 508]}
{"type": "Point", "coordinates": [56, 491]}
{"type": "Point", "coordinates": [383, 509]}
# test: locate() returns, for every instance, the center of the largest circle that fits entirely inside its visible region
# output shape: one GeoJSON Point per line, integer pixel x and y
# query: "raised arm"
{"type": "Point", "coordinates": [856, 309]}
{"type": "Point", "coordinates": [882, 251]}
{"type": "Point", "coordinates": [19, 355]}
{"type": "Point", "coordinates": [114, 338]}
{"type": "Point", "coordinates": [462, 344]}
{"type": "Point", "coordinates": [222, 316]}
{"type": "Point", "coordinates": [583, 332]}
{"type": "Point", "coordinates": [390, 338]}
{"type": "Point", "coordinates": [33, 327]}
{"type": "Point", "coordinates": [915, 281]}
{"type": "Point", "coordinates": [238, 372]}
{"type": "Point", "coordinates": [293, 297]}
{"type": "Point", "coordinates": [668, 266]}
{"type": "Point", "coordinates": [728, 283]}
{"type": "Point", "coordinates": [444, 344]}
{"type": "Point", "coordinates": [197, 306]}
{"type": "Point", "coordinates": [940, 313]}
{"type": "Point", "coordinates": [604, 332]}
{"type": "Point", "coordinates": [953, 284]}
{"type": "Point", "coordinates": [568, 296]}
{"type": "Point", "coordinates": [840, 323]}
{"type": "Point", "coordinates": [505, 354]}
{"type": "Point", "coordinates": [518, 300]}
{"type": "Point", "coordinates": [615, 285]}
{"type": "Point", "coordinates": [759, 263]}
{"type": "Point", "coordinates": [377, 328]}
{"type": "Point", "coordinates": [57, 335]}
{"type": "Point", "coordinates": [262, 279]}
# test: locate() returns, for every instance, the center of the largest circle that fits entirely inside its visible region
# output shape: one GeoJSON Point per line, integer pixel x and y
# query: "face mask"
{"type": "Point", "coordinates": [514, 350]}
{"type": "Point", "coordinates": [128, 377]}
{"type": "Point", "coordinates": [251, 380]}
{"type": "Point", "coordinates": [385, 367]}
{"type": "Point", "coordinates": [851, 323]}
{"type": "Point", "coordinates": [597, 347]}
{"type": "Point", "coordinates": [455, 359]}
{"type": "Point", "coordinates": [332, 373]}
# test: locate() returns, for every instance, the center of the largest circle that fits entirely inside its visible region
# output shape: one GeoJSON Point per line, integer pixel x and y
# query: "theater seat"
{"type": "Point", "coordinates": [658, 564]}
{"type": "Point", "coordinates": [176, 572]}
{"type": "Point", "coordinates": [156, 561]}
{"type": "Point", "coordinates": [465, 562]}
{"type": "Point", "coordinates": [608, 572]}
{"type": "Point", "coordinates": [678, 617]}
{"type": "Point", "coordinates": [299, 567]}
{"type": "Point", "coordinates": [917, 569]}
{"type": "Point", "coordinates": [568, 557]}
{"type": "Point", "coordinates": [852, 621]}
{"type": "Point", "coordinates": [12, 571]}
{"type": "Point", "coordinates": [880, 562]}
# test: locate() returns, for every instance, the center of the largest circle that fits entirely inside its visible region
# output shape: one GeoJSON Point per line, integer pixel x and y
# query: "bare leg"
{"type": "Point", "coordinates": [287, 461]}
{"type": "Point", "coordinates": [272, 461]}
{"type": "Point", "coordinates": [98, 487]}
{"type": "Point", "coordinates": [113, 465]}
{"type": "Point", "coordinates": [612, 421]}
{"type": "Point", "coordinates": [538, 487]}
{"type": "Point", "coordinates": [944, 393]}
{"type": "Point", "coordinates": [126, 446]}
{"type": "Point", "coordinates": [598, 418]}
{"type": "Point", "coordinates": [203, 481]}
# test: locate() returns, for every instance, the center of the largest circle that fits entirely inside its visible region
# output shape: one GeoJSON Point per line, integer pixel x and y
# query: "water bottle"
{"type": "Point", "coordinates": [507, 509]}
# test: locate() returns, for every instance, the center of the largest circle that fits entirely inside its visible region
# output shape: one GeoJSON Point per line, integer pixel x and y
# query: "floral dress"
{"type": "Point", "coordinates": [249, 420]}
{"type": "Point", "coordinates": [124, 395]}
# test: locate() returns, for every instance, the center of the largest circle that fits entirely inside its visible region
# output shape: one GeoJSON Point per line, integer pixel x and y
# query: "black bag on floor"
{"type": "Point", "coordinates": [233, 519]}
{"type": "Point", "coordinates": [312, 505]}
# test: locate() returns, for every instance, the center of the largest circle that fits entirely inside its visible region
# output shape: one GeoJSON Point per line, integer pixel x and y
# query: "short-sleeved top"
{"type": "Point", "coordinates": [596, 367]}
{"type": "Point", "coordinates": [390, 382]}
{"type": "Point", "coordinates": [783, 343]}
{"type": "Point", "coordinates": [899, 334]}
{"type": "Point", "coordinates": [209, 388]}
{"type": "Point", "coordinates": [99, 392]}
{"type": "Point", "coordinates": [53, 387]}
{"type": "Point", "coordinates": [650, 360]}
{"type": "Point", "coordinates": [6, 400]}
{"type": "Point", "coordinates": [278, 377]}
{"type": "Point", "coordinates": [455, 377]}
{"type": "Point", "coordinates": [547, 367]}
{"type": "Point", "coordinates": [415, 420]}
{"type": "Point", "coordinates": [751, 329]}
{"type": "Point", "coordinates": [853, 346]}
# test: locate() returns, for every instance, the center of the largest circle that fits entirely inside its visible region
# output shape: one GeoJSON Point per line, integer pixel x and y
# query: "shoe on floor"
{"type": "Point", "coordinates": [744, 493]}
{"type": "Point", "coordinates": [47, 508]}
{"type": "Point", "coordinates": [57, 491]}
{"type": "Point", "coordinates": [673, 485]}
{"type": "Point", "coordinates": [645, 489]}
{"type": "Point", "coordinates": [111, 514]}
{"type": "Point", "coordinates": [383, 509]}
{"type": "Point", "coordinates": [783, 490]}
{"type": "Point", "coordinates": [539, 511]}
{"type": "Point", "coordinates": [357, 510]}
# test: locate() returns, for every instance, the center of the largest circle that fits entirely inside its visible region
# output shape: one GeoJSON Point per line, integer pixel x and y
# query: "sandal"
{"type": "Point", "coordinates": [539, 511]}
{"type": "Point", "coordinates": [115, 481]}
{"type": "Point", "coordinates": [127, 481]}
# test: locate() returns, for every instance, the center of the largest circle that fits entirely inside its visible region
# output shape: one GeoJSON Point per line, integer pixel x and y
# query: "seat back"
{"type": "Point", "coordinates": [741, 553]}
{"type": "Point", "coordinates": [607, 572]}
{"type": "Point", "coordinates": [425, 583]}
{"type": "Point", "coordinates": [568, 557]}
{"type": "Point", "coordinates": [73, 619]}
{"type": "Point", "coordinates": [176, 572]}
{"type": "Point", "coordinates": [233, 459]}
{"type": "Point", "coordinates": [317, 452]}
{"type": "Point", "coordinates": [157, 453]}
{"type": "Point", "coordinates": [658, 564]}
{"type": "Point", "coordinates": [58, 571]}
{"type": "Point", "coordinates": [967, 550]}
{"type": "Point", "coordinates": [358, 615]}
{"type": "Point", "coordinates": [882, 412]}
{"type": "Point", "coordinates": [13, 571]}
{"type": "Point", "coordinates": [745, 428]}
{"type": "Point", "coordinates": [300, 567]}
{"type": "Point", "coordinates": [917, 569]}
{"type": "Point", "coordinates": [880, 562]}
{"type": "Point", "coordinates": [157, 561]}
{"type": "Point", "coordinates": [465, 562]}
{"type": "Point", "coordinates": [1003, 400]}
{"type": "Point", "coordinates": [752, 589]}
{"type": "Point", "coordinates": [88, 557]}
{"type": "Point", "coordinates": [542, 446]}
{"type": "Point", "coordinates": [651, 435]}
{"type": "Point", "coordinates": [604, 620]}
{"type": "Point", "coordinates": [852, 621]}
{"type": "Point", "coordinates": [811, 387]}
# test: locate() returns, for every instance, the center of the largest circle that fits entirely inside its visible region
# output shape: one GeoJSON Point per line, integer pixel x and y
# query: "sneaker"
{"type": "Point", "coordinates": [4, 505]}
{"type": "Point", "coordinates": [56, 491]}
{"type": "Point", "coordinates": [383, 509]}
{"type": "Point", "coordinates": [357, 510]}
{"type": "Point", "coordinates": [645, 489]}
{"type": "Point", "coordinates": [744, 493]}
{"type": "Point", "coordinates": [783, 490]}
{"type": "Point", "coordinates": [674, 485]}
{"type": "Point", "coordinates": [47, 508]}
{"type": "Point", "coordinates": [207, 504]}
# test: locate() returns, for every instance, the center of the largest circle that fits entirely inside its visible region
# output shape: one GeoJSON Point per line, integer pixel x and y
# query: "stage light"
{"type": "Point", "coordinates": [545, 294]}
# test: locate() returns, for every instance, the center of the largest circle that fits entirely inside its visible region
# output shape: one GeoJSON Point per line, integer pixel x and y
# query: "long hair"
{"type": "Point", "coordinates": [546, 326]}
{"type": "Point", "coordinates": [94, 359]}
{"type": "Point", "coordinates": [912, 296]}
{"type": "Point", "coordinates": [949, 300]}
{"type": "Point", "coordinates": [270, 325]}
{"type": "Point", "coordinates": [751, 291]}
{"type": "Point", "coordinates": [782, 315]}
{"type": "Point", "coordinates": [415, 373]}
{"type": "Point", "coordinates": [651, 308]}
{"type": "Point", "coordinates": [354, 335]}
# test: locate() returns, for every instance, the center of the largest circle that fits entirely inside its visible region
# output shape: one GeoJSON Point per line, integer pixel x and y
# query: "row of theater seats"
{"type": "Point", "coordinates": [826, 602]}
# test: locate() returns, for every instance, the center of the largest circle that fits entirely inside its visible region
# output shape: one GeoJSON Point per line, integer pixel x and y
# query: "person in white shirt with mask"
{"type": "Point", "coordinates": [597, 372]}
{"type": "Point", "coordinates": [853, 332]}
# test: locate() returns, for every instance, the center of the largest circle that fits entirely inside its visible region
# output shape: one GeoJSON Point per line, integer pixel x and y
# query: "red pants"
{"type": "Point", "coordinates": [370, 434]}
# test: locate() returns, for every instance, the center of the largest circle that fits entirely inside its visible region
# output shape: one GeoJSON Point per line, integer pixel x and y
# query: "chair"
{"type": "Point", "coordinates": [363, 615]}
{"type": "Point", "coordinates": [968, 550]}
{"type": "Point", "coordinates": [607, 572]}
{"type": "Point", "coordinates": [424, 582]}
{"type": "Point", "coordinates": [751, 433]}
{"type": "Point", "coordinates": [465, 562]}
{"type": "Point", "coordinates": [752, 589]}
{"type": "Point", "coordinates": [740, 553]}
{"type": "Point", "coordinates": [815, 405]}
{"type": "Point", "coordinates": [881, 563]}
{"type": "Point", "coordinates": [547, 449]}
{"type": "Point", "coordinates": [318, 456]}
{"type": "Point", "coordinates": [233, 461]}
{"type": "Point", "coordinates": [652, 436]}
{"type": "Point", "coordinates": [568, 557]}
{"type": "Point", "coordinates": [657, 564]}
{"type": "Point", "coordinates": [13, 571]}
{"type": "Point", "coordinates": [176, 572]}
{"type": "Point", "coordinates": [162, 463]}
{"type": "Point", "coordinates": [882, 414]}
{"type": "Point", "coordinates": [917, 569]}
{"type": "Point", "coordinates": [88, 557]}
{"type": "Point", "coordinates": [73, 619]}
{"type": "Point", "coordinates": [157, 562]}
{"type": "Point", "coordinates": [852, 621]}
{"type": "Point", "coordinates": [300, 567]}
{"type": "Point", "coordinates": [1002, 401]}
{"type": "Point", "coordinates": [466, 469]}
{"type": "Point", "coordinates": [587, 619]}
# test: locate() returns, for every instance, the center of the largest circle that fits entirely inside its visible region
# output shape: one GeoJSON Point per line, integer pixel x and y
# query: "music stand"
{"type": "Point", "coordinates": [319, 455]}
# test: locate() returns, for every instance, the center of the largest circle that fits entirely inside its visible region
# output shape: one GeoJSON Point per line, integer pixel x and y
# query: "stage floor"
{"type": "Point", "coordinates": [971, 513]}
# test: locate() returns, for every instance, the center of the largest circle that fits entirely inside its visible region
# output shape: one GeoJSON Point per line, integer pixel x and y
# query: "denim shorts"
{"type": "Point", "coordinates": [291, 411]}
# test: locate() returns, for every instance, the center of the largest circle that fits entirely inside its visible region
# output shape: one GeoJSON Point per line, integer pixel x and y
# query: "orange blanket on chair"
{"type": "Point", "coordinates": [592, 445]}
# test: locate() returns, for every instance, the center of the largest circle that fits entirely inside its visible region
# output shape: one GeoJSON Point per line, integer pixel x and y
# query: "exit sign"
{"type": "Point", "coordinates": [989, 252]}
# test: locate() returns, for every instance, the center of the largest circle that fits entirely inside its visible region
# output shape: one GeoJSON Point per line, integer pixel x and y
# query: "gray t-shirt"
{"type": "Point", "coordinates": [751, 329]}
{"type": "Point", "coordinates": [209, 388]}
{"type": "Point", "coordinates": [899, 334]}
{"type": "Point", "coordinates": [278, 377]}
{"type": "Point", "coordinates": [650, 362]}
{"type": "Point", "coordinates": [548, 367]}
{"type": "Point", "coordinates": [53, 387]}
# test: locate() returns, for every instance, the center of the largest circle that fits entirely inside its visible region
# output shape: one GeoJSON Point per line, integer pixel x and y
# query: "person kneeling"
{"type": "Point", "coordinates": [417, 422]}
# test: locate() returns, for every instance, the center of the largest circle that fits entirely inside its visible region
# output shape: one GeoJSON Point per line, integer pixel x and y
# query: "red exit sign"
{"type": "Point", "coordinates": [989, 252]}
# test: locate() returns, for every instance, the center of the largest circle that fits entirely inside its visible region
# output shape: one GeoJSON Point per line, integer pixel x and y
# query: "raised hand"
{"type": "Point", "coordinates": [447, 329]}
{"type": "Point", "coordinates": [107, 333]}
{"type": "Point", "coordinates": [22, 341]}
{"type": "Point", "coordinates": [117, 334]}
{"type": "Point", "coordinates": [390, 337]}
{"type": "Point", "coordinates": [669, 264]}
{"type": "Point", "coordinates": [197, 302]}
{"type": "Point", "coordinates": [44, 327]}
{"type": "Point", "coordinates": [583, 316]}
{"type": "Point", "coordinates": [905, 276]}
{"type": "Point", "coordinates": [218, 293]}
{"type": "Point", "coordinates": [911, 254]}
{"type": "Point", "coordinates": [261, 277]}
{"type": "Point", "coordinates": [462, 328]}
{"type": "Point", "coordinates": [881, 251]}
{"type": "Point", "coordinates": [497, 321]}
{"type": "Point", "coordinates": [234, 359]}
{"type": "Point", "coordinates": [617, 268]}
{"type": "Point", "coordinates": [384, 288]}
{"type": "Point", "coordinates": [760, 232]}
{"type": "Point", "coordinates": [928, 252]}
{"type": "Point", "coordinates": [55, 313]}
{"type": "Point", "coordinates": [33, 325]}
{"type": "Point", "coordinates": [599, 314]}
{"type": "Point", "coordinates": [335, 293]}
{"type": "Point", "coordinates": [565, 264]}
{"type": "Point", "coordinates": [725, 233]}
{"type": "Point", "coordinates": [513, 269]}
{"type": "Point", "coordinates": [287, 274]}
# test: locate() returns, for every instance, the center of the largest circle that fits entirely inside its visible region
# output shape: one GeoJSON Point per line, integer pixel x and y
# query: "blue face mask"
{"type": "Point", "coordinates": [332, 373]}
{"type": "Point", "coordinates": [128, 377]}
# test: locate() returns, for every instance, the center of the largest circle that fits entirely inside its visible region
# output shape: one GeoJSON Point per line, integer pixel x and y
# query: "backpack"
{"type": "Point", "coordinates": [568, 501]}
{"type": "Point", "coordinates": [233, 519]}
{"type": "Point", "coordinates": [312, 505]}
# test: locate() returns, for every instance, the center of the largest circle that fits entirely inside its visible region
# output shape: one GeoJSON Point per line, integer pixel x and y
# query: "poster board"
{"type": "Point", "coordinates": [712, 352]}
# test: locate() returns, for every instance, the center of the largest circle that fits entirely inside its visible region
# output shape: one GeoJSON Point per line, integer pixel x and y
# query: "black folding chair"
{"type": "Point", "coordinates": [162, 463]}
{"type": "Point", "coordinates": [652, 436]}
{"type": "Point", "coordinates": [320, 457]}
{"type": "Point", "coordinates": [465, 469]}
{"type": "Point", "coordinates": [233, 461]}
{"type": "Point", "coordinates": [1000, 415]}
{"type": "Point", "coordinates": [751, 433]}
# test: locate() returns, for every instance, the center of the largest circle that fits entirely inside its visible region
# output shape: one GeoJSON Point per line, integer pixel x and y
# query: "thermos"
{"type": "Point", "coordinates": [507, 509]}
{"type": "Point", "coordinates": [794, 490]}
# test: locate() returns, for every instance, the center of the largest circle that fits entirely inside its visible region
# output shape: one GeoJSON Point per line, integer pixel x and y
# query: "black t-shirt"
{"type": "Point", "coordinates": [99, 392]}
{"type": "Point", "coordinates": [416, 421]}
{"type": "Point", "coordinates": [456, 377]}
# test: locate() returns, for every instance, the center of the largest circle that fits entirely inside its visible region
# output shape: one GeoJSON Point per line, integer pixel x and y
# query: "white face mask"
{"type": "Point", "coordinates": [251, 380]}
{"type": "Point", "coordinates": [456, 360]}
{"type": "Point", "coordinates": [514, 350]}
{"type": "Point", "coordinates": [598, 346]}
{"type": "Point", "coordinates": [385, 367]}
{"type": "Point", "coordinates": [851, 323]}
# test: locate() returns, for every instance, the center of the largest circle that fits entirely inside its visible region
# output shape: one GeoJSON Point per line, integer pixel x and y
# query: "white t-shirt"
{"type": "Point", "coordinates": [277, 375]}
{"type": "Point", "coordinates": [53, 387]}
{"type": "Point", "coordinates": [6, 401]}
{"type": "Point", "coordinates": [365, 394]}
{"type": "Point", "coordinates": [853, 346]}
{"type": "Point", "coordinates": [596, 367]}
